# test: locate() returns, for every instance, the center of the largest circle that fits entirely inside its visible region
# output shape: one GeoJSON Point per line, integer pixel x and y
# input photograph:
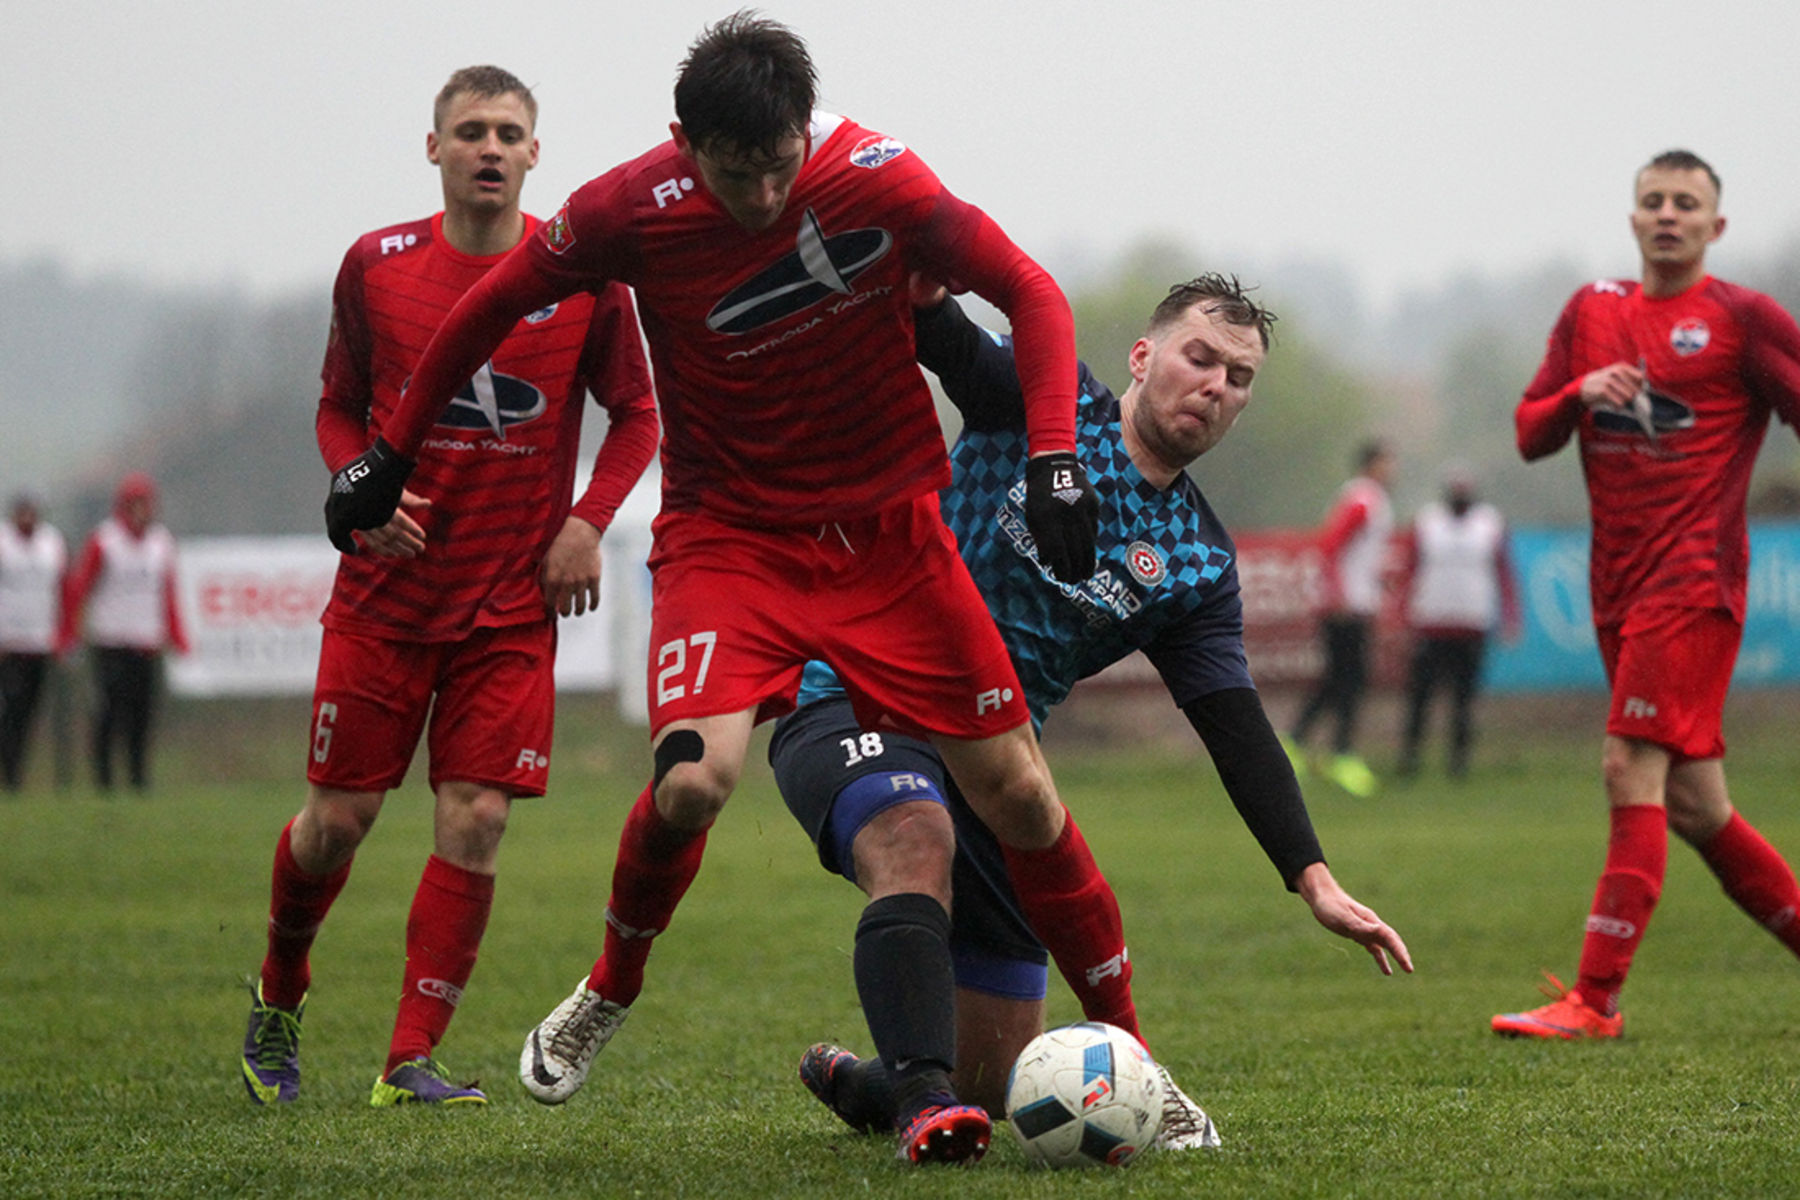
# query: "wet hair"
{"type": "Point", "coordinates": [1683, 160]}
{"type": "Point", "coordinates": [746, 84]}
{"type": "Point", "coordinates": [1221, 296]}
{"type": "Point", "coordinates": [486, 82]}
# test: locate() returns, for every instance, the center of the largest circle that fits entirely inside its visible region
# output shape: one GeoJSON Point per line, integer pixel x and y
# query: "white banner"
{"type": "Point", "coordinates": [252, 608]}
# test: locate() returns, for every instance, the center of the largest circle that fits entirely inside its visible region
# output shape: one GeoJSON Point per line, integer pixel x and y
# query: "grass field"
{"type": "Point", "coordinates": [129, 923]}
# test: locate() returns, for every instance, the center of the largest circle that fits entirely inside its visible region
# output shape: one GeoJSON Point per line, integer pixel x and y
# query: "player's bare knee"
{"type": "Point", "coordinates": [331, 827]}
{"type": "Point", "coordinates": [1022, 811]}
{"type": "Point", "coordinates": [690, 795]}
{"type": "Point", "coordinates": [907, 848]}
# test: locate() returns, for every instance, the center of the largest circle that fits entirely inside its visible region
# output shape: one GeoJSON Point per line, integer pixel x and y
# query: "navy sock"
{"type": "Point", "coordinates": [907, 986]}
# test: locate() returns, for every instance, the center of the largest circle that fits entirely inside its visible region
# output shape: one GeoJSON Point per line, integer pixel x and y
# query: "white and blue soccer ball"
{"type": "Point", "coordinates": [1084, 1095]}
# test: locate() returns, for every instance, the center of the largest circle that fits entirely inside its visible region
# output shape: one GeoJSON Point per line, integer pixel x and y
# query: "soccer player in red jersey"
{"type": "Point", "coordinates": [449, 608]}
{"type": "Point", "coordinates": [770, 246]}
{"type": "Point", "coordinates": [1668, 384]}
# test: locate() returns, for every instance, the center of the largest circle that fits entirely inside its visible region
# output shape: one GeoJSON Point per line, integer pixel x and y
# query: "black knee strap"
{"type": "Point", "coordinates": [682, 746]}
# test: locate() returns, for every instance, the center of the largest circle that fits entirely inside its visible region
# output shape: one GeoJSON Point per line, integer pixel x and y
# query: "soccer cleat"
{"type": "Point", "coordinates": [422, 1081]}
{"type": "Point", "coordinates": [1185, 1125]}
{"type": "Point", "coordinates": [947, 1133]}
{"type": "Point", "coordinates": [560, 1051]}
{"type": "Point", "coordinates": [820, 1067]}
{"type": "Point", "coordinates": [272, 1050]}
{"type": "Point", "coordinates": [1352, 774]}
{"type": "Point", "coordinates": [1566, 1016]}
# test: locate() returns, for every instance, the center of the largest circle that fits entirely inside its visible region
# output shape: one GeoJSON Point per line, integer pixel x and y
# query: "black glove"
{"type": "Point", "coordinates": [365, 493]}
{"type": "Point", "coordinates": [1062, 513]}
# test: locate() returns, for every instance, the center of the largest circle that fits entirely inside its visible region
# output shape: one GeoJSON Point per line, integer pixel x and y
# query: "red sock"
{"type": "Point", "coordinates": [1636, 855]}
{"type": "Point", "coordinates": [656, 863]}
{"type": "Point", "coordinates": [298, 903]}
{"type": "Point", "coordinates": [443, 934]}
{"type": "Point", "coordinates": [1757, 877]}
{"type": "Point", "coordinates": [1073, 911]}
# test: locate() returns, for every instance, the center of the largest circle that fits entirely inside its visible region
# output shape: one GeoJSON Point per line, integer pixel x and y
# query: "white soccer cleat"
{"type": "Point", "coordinates": [561, 1050]}
{"type": "Point", "coordinates": [1185, 1125]}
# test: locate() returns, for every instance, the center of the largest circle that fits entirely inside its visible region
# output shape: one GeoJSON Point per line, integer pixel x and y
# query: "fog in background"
{"type": "Point", "coordinates": [1416, 187]}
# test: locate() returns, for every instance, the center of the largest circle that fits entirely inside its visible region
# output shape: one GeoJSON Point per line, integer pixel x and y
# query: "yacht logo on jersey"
{"type": "Point", "coordinates": [821, 265]}
{"type": "Point", "coordinates": [494, 402]}
{"type": "Point", "coordinates": [1689, 337]}
{"type": "Point", "coordinates": [1147, 566]}
{"type": "Point", "coordinates": [871, 152]}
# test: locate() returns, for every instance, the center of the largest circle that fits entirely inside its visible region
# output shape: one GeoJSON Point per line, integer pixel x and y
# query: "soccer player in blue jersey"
{"type": "Point", "coordinates": [960, 988]}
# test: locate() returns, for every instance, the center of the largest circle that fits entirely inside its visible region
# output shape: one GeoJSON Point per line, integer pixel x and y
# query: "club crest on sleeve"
{"type": "Point", "coordinates": [557, 234]}
{"type": "Point", "coordinates": [1689, 337]}
{"type": "Point", "coordinates": [1147, 566]}
{"type": "Point", "coordinates": [871, 152]}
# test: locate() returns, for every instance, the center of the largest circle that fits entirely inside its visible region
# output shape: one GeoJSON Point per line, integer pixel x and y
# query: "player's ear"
{"type": "Point", "coordinates": [1139, 358]}
{"type": "Point", "coordinates": [534, 155]}
{"type": "Point", "coordinates": [680, 139]}
{"type": "Point", "coordinates": [431, 148]}
{"type": "Point", "coordinates": [1718, 229]}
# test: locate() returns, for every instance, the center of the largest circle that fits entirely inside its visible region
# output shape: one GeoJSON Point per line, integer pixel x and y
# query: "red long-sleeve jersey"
{"type": "Point", "coordinates": [784, 357]}
{"type": "Point", "coordinates": [1667, 506]}
{"type": "Point", "coordinates": [499, 464]}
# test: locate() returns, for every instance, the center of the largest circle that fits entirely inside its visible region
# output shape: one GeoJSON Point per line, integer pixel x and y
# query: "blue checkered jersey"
{"type": "Point", "coordinates": [1166, 578]}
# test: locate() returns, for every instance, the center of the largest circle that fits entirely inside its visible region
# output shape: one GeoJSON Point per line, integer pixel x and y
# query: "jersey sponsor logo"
{"type": "Point", "coordinates": [821, 265]}
{"type": "Point", "coordinates": [1667, 414]}
{"type": "Point", "coordinates": [494, 402]}
{"type": "Point", "coordinates": [670, 190]}
{"type": "Point", "coordinates": [558, 236]}
{"type": "Point", "coordinates": [1147, 566]}
{"type": "Point", "coordinates": [394, 243]}
{"type": "Point", "coordinates": [871, 152]}
{"type": "Point", "coordinates": [1640, 708]}
{"type": "Point", "coordinates": [1112, 968]}
{"type": "Point", "coordinates": [531, 760]}
{"type": "Point", "coordinates": [1609, 287]}
{"type": "Point", "coordinates": [541, 315]}
{"type": "Point", "coordinates": [1689, 337]}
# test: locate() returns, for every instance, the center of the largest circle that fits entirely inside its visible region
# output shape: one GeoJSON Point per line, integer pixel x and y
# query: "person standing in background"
{"type": "Point", "coordinates": [1458, 587]}
{"type": "Point", "coordinates": [124, 587]}
{"type": "Point", "coordinates": [33, 567]}
{"type": "Point", "coordinates": [1352, 548]}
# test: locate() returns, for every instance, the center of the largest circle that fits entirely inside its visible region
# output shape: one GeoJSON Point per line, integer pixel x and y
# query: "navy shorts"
{"type": "Point", "coordinates": [835, 777]}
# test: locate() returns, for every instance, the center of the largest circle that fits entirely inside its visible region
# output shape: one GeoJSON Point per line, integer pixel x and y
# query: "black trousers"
{"type": "Point", "coordinates": [126, 681]}
{"type": "Point", "coordinates": [1341, 688]}
{"type": "Point", "coordinates": [21, 683]}
{"type": "Point", "coordinates": [1453, 662]}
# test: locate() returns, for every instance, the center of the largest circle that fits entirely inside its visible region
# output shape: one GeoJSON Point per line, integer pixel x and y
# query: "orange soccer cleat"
{"type": "Point", "coordinates": [1566, 1016]}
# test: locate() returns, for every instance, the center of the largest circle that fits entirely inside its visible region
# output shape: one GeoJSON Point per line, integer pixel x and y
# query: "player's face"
{"type": "Point", "coordinates": [1676, 216]}
{"type": "Point", "coordinates": [1192, 379]}
{"type": "Point", "coordinates": [752, 187]}
{"type": "Point", "coordinates": [483, 151]}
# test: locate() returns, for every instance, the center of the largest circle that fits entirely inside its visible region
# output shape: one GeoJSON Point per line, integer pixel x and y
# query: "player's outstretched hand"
{"type": "Point", "coordinates": [1062, 513]}
{"type": "Point", "coordinates": [1340, 912]}
{"type": "Point", "coordinates": [365, 493]}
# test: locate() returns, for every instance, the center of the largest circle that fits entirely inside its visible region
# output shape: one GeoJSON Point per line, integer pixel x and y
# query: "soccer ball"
{"type": "Point", "coordinates": [1084, 1095]}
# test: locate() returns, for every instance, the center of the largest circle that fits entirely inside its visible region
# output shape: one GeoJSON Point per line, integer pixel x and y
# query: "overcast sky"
{"type": "Point", "coordinates": [212, 141]}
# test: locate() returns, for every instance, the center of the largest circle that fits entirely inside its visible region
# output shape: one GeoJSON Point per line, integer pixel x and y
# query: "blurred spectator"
{"type": "Point", "coordinates": [124, 585]}
{"type": "Point", "coordinates": [1458, 587]}
{"type": "Point", "coordinates": [33, 562]}
{"type": "Point", "coordinates": [1352, 546]}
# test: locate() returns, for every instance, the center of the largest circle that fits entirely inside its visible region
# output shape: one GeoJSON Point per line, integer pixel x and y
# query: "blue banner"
{"type": "Point", "coordinates": [1557, 650]}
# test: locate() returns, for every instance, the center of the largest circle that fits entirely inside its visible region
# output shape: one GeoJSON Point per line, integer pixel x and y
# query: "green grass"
{"type": "Point", "coordinates": [128, 924]}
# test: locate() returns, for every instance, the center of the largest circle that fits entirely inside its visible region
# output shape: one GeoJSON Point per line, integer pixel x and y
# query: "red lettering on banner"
{"type": "Point", "coordinates": [281, 598]}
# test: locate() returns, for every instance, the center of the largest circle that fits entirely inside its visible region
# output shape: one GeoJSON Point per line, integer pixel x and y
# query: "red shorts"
{"type": "Point", "coordinates": [491, 698]}
{"type": "Point", "coordinates": [1670, 670]}
{"type": "Point", "coordinates": [737, 613]}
